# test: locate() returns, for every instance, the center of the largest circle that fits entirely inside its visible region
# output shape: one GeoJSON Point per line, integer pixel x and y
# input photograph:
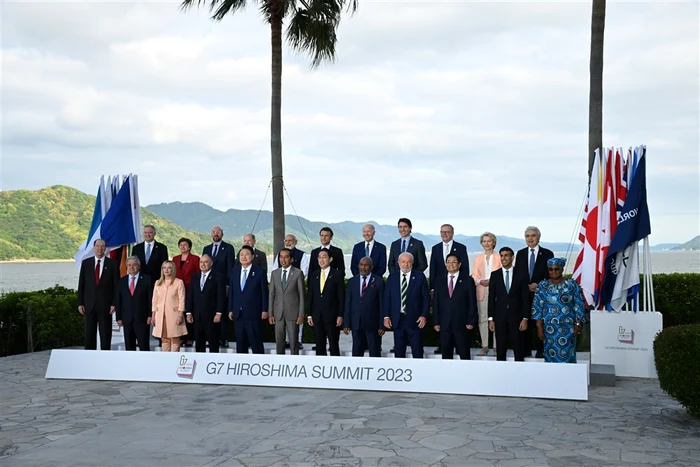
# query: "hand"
{"type": "Point", "coordinates": [540, 330]}
{"type": "Point", "coordinates": [153, 321]}
{"type": "Point", "coordinates": [346, 331]}
{"type": "Point", "coordinates": [179, 320]}
{"type": "Point", "coordinates": [339, 321]}
{"type": "Point", "coordinates": [217, 318]}
{"type": "Point", "coordinates": [271, 319]}
{"type": "Point", "coordinates": [532, 287]}
{"type": "Point", "coordinates": [492, 326]}
{"type": "Point", "coordinates": [120, 323]}
{"type": "Point", "coordinates": [230, 315]}
{"type": "Point", "coordinates": [310, 321]}
{"type": "Point", "coordinates": [470, 326]}
{"type": "Point", "coordinates": [523, 325]}
{"type": "Point", "coordinates": [421, 322]}
{"type": "Point", "coordinates": [264, 315]}
{"type": "Point", "coordinates": [81, 309]}
{"type": "Point", "coordinates": [300, 321]}
{"type": "Point", "coordinates": [380, 332]}
{"type": "Point", "coordinates": [387, 323]}
{"type": "Point", "coordinates": [577, 329]}
{"type": "Point", "coordinates": [190, 319]}
{"type": "Point", "coordinates": [112, 309]}
{"type": "Point", "coordinates": [149, 320]}
{"type": "Point", "coordinates": [485, 282]}
{"type": "Point", "coordinates": [437, 328]}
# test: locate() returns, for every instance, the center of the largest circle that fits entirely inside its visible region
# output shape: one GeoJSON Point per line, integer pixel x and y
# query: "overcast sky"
{"type": "Point", "coordinates": [474, 113]}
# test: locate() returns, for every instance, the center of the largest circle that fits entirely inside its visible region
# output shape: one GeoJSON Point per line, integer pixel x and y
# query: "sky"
{"type": "Point", "coordinates": [472, 113]}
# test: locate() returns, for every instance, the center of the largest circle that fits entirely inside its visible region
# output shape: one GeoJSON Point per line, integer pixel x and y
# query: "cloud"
{"type": "Point", "coordinates": [473, 113]}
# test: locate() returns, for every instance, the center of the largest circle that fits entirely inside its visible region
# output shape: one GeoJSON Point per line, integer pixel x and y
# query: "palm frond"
{"type": "Point", "coordinates": [220, 8]}
{"type": "Point", "coordinates": [312, 28]}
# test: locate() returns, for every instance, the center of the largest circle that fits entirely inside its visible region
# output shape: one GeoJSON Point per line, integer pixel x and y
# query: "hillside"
{"type": "Point", "coordinates": [692, 244]}
{"type": "Point", "coordinates": [51, 223]}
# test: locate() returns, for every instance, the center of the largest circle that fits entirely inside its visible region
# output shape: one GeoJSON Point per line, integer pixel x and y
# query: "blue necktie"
{"type": "Point", "coordinates": [507, 281]}
{"type": "Point", "coordinates": [148, 252]}
{"type": "Point", "coordinates": [532, 262]}
{"type": "Point", "coordinates": [245, 278]}
{"type": "Point", "coordinates": [367, 250]}
{"type": "Point", "coordinates": [403, 248]}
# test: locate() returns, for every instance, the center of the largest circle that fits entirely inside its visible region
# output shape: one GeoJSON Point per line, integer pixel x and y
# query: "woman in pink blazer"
{"type": "Point", "coordinates": [169, 308]}
{"type": "Point", "coordinates": [186, 266]}
{"type": "Point", "coordinates": [484, 264]}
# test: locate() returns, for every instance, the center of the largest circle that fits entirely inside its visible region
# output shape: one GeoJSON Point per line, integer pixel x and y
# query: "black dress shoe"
{"type": "Point", "coordinates": [391, 350]}
{"type": "Point", "coordinates": [313, 348]}
{"type": "Point", "coordinates": [539, 354]}
{"type": "Point", "coordinates": [437, 351]}
{"type": "Point", "coordinates": [224, 344]}
{"type": "Point", "coordinates": [286, 345]}
{"type": "Point", "coordinates": [301, 347]}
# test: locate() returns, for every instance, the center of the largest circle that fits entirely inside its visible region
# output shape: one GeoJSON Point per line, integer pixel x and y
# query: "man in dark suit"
{"type": "Point", "coordinates": [454, 309]}
{"type": "Point", "coordinates": [406, 304]}
{"type": "Point", "coordinates": [206, 303]}
{"type": "Point", "coordinates": [326, 301]}
{"type": "Point", "coordinates": [247, 302]}
{"type": "Point", "coordinates": [531, 265]}
{"type": "Point", "coordinates": [406, 243]}
{"type": "Point", "coordinates": [338, 259]}
{"type": "Point", "coordinates": [259, 256]}
{"type": "Point", "coordinates": [370, 248]}
{"type": "Point", "coordinates": [134, 306]}
{"type": "Point", "coordinates": [151, 254]}
{"type": "Point", "coordinates": [97, 296]}
{"type": "Point", "coordinates": [223, 255]}
{"type": "Point", "coordinates": [364, 299]}
{"type": "Point", "coordinates": [508, 307]}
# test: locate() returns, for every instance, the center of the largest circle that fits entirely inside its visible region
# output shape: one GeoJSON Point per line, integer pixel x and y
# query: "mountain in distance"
{"type": "Point", "coordinates": [692, 244]}
{"type": "Point", "coordinates": [201, 217]}
{"type": "Point", "coordinates": [53, 222]}
{"type": "Point", "coordinates": [662, 246]}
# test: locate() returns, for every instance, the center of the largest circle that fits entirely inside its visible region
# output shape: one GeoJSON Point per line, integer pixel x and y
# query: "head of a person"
{"type": "Point", "coordinates": [249, 239]}
{"type": "Point", "coordinates": [368, 232]}
{"type": "Point", "coordinates": [133, 265]}
{"type": "Point", "coordinates": [405, 227]}
{"type": "Point", "coordinates": [167, 270]}
{"type": "Point", "coordinates": [149, 233]}
{"type": "Point", "coordinates": [324, 259]}
{"type": "Point", "coordinates": [217, 234]}
{"type": "Point", "coordinates": [365, 266]}
{"type": "Point", "coordinates": [205, 263]}
{"type": "Point", "coordinates": [555, 267]}
{"type": "Point", "coordinates": [506, 254]}
{"type": "Point", "coordinates": [406, 262]}
{"type": "Point", "coordinates": [452, 263]}
{"type": "Point", "coordinates": [488, 241]}
{"type": "Point", "coordinates": [447, 232]}
{"type": "Point", "coordinates": [326, 235]}
{"type": "Point", "coordinates": [532, 236]}
{"type": "Point", "coordinates": [185, 245]}
{"type": "Point", "coordinates": [290, 241]}
{"type": "Point", "coordinates": [99, 246]}
{"type": "Point", "coordinates": [246, 255]}
{"type": "Point", "coordinates": [285, 258]}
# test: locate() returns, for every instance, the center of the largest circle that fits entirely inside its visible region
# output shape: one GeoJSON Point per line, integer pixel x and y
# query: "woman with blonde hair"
{"type": "Point", "coordinates": [484, 264]}
{"type": "Point", "coordinates": [169, 308]}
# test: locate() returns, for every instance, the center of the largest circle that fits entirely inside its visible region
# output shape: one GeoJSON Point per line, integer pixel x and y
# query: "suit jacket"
{"type": "Point", "coordinates": [459, 310]}
{"type": "Point", "coordinates": [378, 255]}
{"type": "Point", "coordinates": [249, 303]}
{"type": "Point", "coordinates": [136, 308]}
{"type": "Point", "coordinates": [100, 296]}
{"type": "Point", "coordinates": [513, 305]}
{"type": "Point", "coordinates": [437, 261]}
{"type": "Point", "coordinates": [328, 304]}
{"type": "Point", "coordinates": [415, 247]}
{"type": "Point", "coordinates": [337, 263]}
{"type": "Point", "coordinates": [190, 268]}
{"type": "Point", "coordinates": [540, 273]}
{"type": "Point", "coordinates": [290, 302]}
{"type": "Point", "coordinates": [479, 272]}
{"type": "Point", "coordinates": [259, 259]}
{"type": "Point", "coordinates": [364, 313]}
{"type": "Point", "coordinates": [159, 254]}
{"type": "Point", "coordinates": [204, 303]}
{"type": "Point", "coordinates": [224, 260]}
{"type": "Point", "coordinates": [417, 299]}
{"type": "Point", "coordinates": [169, 304]}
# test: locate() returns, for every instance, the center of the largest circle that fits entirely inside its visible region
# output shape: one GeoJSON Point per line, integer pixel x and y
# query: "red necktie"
{"type": "Point", "coordinates": [364, 286]}
{"type": "Point", "coordinates": [97, 273]}
{"type": "Point", "coordinates": [451, 286]}
{"type": "Point", "coordinates": [132, 286]}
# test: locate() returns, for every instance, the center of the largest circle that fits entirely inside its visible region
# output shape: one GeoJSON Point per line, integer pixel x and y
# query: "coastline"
{"type": "Point", "coordinates": [33, 260]}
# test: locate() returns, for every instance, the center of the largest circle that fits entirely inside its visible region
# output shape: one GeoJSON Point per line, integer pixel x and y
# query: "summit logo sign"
{"type": "Point", "coordinates": [625, 336]}
{"type": "Point", "coordinates": [186, 367]}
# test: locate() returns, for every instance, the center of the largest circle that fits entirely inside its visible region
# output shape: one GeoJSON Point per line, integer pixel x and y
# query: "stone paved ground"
{"type": "Point", "coordinates": [92, 423]}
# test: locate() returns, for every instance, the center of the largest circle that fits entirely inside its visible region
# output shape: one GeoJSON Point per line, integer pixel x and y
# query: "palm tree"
{"type": "Point", "coordinates": [311, 29]}
{"type": "Point", "coordinates": [595, 98]}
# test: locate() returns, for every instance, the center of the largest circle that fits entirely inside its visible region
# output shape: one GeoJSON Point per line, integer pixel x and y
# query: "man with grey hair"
{"type": "Point", "coordinates": [259, 256]}
{"type": "Point", "coordinates": [134, 306]}
{"type": "Point", "coordinates": [206, 305]}
{"type": "Point", "coordinates": [531, 266]}
{"type": "Point", "coordinates": [369, 248]}
{"type": "Point", "coordinates": [150, 253]}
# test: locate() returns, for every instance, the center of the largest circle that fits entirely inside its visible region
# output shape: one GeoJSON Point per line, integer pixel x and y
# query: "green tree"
{"type": "Point", "coordinates": [595, 97]}
{"type": "Point", "coordinates": [311, 29]}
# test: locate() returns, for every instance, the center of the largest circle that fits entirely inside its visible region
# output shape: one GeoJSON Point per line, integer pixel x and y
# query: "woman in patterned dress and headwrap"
{"type": "Point", "coordinates": [560, 312]}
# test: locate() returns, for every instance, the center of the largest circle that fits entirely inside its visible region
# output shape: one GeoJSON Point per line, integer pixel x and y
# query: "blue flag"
{"type": "Point", "coordinates": [117, 227]}
{"type": "Point", "coordinates": [622, 263]}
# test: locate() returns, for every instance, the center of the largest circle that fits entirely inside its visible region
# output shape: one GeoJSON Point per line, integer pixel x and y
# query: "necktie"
{"type": "Point", "coordinates": [284, 279]}
{"type": "Point", "coordinates": [244, 278]}
{"type": "Point", "coordinates": [451, 286]}
{"type": "Point", "coordinates": [148, 252]}
{"type": "Point", "coordinates": [404, 290]}
{"type": "Point", "coordinates": [507, 281]}
{"type": "Point", "coordinates": [532, 262]}
{"type": "Point", "coordinates": [364, 286]}
{"type": "Point", "coordinates": [97, 272]}
{"type": "Point", "coordinates": [367, 250]}
{"type": "Point", "coordinates": [201, 283]}
{"type": "Point", "coordinates": [133, 285]}
{"type": "Point", "coordinates": [323, 279]}
{"type": "Point", "coordinates": [403, 247]}
{"type": "Point", "coordinates": [216, 250]}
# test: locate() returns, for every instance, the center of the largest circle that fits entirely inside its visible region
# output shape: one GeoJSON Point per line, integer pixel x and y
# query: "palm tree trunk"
{"type": "Point", "coordinates": [595, 98]}
{"type": "Point", "coordinates": [276, 132]}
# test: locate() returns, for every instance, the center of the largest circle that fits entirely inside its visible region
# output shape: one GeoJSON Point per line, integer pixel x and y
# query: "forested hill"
{"type": "Point", "coordinates": [52, 223]}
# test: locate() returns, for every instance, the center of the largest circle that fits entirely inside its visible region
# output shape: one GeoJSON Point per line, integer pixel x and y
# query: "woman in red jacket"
{"type": "Point", "coordinates": [186, 265]}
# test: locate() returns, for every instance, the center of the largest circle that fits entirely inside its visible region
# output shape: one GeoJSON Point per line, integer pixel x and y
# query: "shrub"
{"type": "Point", "coordinates": [676, 351]}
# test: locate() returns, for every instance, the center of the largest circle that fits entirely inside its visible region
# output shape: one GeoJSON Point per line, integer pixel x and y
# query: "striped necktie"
{"type": "Point", "coordinates": [404, 290]}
